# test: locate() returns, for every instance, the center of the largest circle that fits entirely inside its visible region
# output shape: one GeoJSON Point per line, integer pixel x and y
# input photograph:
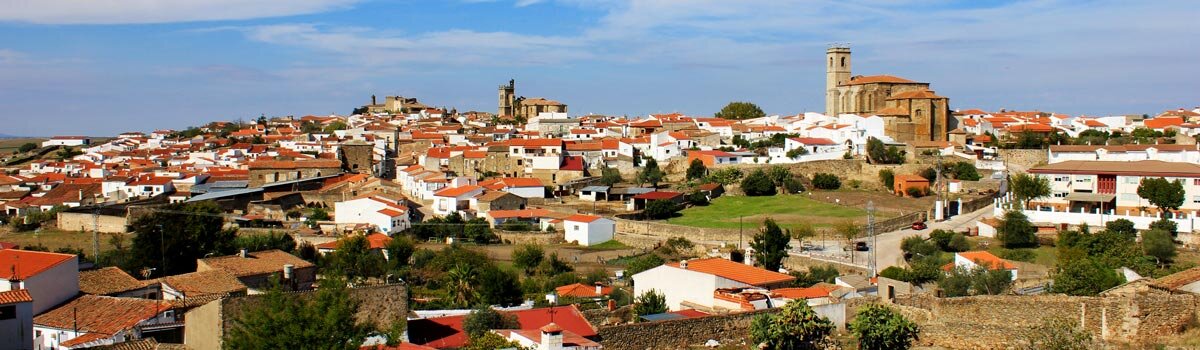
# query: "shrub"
{"type": "Point", "coordinates": [826, 181]}
{"type": "Point", "coordinates": [1026, 255]}
{"type": "Point", "coordinates": [758, 184]}
{"type": "Point", "coordinates": [697, 198]}
{"type": "Point", "coordinates": [915, 192]}
{"type": "Point", "coordinates": [793, 185]}
{"type": "Point", "coordinates": [660, 209]}
{"type": "Point", "coordinates": [888, 178]}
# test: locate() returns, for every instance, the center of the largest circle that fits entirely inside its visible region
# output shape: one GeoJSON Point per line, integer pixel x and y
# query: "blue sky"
{"type": "Point", "coordinates": [100, 67]}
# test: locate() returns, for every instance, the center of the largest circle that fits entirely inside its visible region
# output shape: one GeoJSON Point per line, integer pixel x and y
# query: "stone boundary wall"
{"type": "Point", "coordinates": [994, 321]}
{"type": "Point", "coordinates": [664, 231]}
{"type": "Point", "coordinates": [542, 238]}
{"type": "Point", "coordinates": [1023, 159]}
{"type": "Point", "coordinates": [680, 334]}
{"type": "Point", "coordinates": [85, 222]}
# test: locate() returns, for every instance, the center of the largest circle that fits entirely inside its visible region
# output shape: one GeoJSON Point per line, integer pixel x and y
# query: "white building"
{"type": "Point", "coordinates": [525, 187]}
{"type": "Point", "coordinates": [588, 230]}
{"type": "Point", "coordinates": [1124, 153]}
{"type": "Point", "coordinates": [51, 278]}
{"type": "Point", "coordinates": [16, 320]}
{"type": "Point", "coordinates": [454, 199]}
{"type": "Point", "coordinates": [69, 141]}
{"type": "Point", "coordinates": [690, 284]}
{"type": "Point", "coordinates": [387, 214]}
{"type": "Point", "coordinates": [1110, 187]}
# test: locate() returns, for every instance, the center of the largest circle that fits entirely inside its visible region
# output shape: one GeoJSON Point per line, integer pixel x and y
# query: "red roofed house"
{"type": "Point", "coordinates": [386, 214]}
{"type": "Point", "coordinates": [90, 321]}
{"type": "Point", "coordinates": [583, 291]}
{"type": "Point", "coordinates": [549, 337]}
{"type": "Point", "coordinates": [971, 260]}
{"type": "Point", "coordinates": [711, 158]}
{"type": "Point", "coordinates": [813, 145]}
{"type": "Point", "coordinates": [638, 202]}
{"type": "Point", "coordinates": [447, 332]}
{"type": "Point", "coordinates": [51, 278]}
{"type": "Point", "coordinates": [692, 284]}
{"type": "Point", "coordinates": [454, 199]}
{"type": "Point", "coordinates": [526, 187]}
{"type": "Point", "coordinates": [588, 230]}
{"type": "Point", "coordinates": [903, 182]}
{"type": "Point", "coordinates": [375, 241]}
{"type": "Point", "coordinates": [16, 319]}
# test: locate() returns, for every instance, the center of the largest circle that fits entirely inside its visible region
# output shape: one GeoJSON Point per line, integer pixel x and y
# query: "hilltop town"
{"type": "Point", "coordinates": [891, 219]}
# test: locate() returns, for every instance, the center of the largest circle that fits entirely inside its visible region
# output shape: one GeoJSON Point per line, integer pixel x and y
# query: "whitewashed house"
{"type": "Point", "coordinates": [588, 230]}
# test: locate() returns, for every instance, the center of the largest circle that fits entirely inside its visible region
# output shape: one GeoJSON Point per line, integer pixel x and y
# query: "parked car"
{"type": "Point", "coordinates": [919, 225]}
{"type": "Point", "coordinates": [861, 246]}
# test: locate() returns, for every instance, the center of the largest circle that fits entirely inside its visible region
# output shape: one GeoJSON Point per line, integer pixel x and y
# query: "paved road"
{"type": "Point", "coordinates": [888, 246]}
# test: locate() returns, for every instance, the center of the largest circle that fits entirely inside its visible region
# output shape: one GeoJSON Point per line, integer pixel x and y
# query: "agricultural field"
{"type": "Point", "coordinates": [787, 210]}
{"type": "Point", "coordinates": [7, 146]}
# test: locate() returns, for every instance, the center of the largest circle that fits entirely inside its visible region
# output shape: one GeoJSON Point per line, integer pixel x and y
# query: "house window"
{"type": "Point", "coordinates": [8, 312]}
{"type": "Point", "coordinates": [1084, 179]}
{"type": "Point", "coordinates": [1062, 178]}
{"type": "Point", "coordinates": [1129, 196]}
{"type": "Point", "coordinates": [1195, 182]}
{"type": "Point", "coordinates": [1195, 199]}
{"type": "Point", "coordinates": [1133, 180]}
{"type": "Point", "coordinates": [1060, 194]}
{"type": "Point", "coordinates": [576, 227]}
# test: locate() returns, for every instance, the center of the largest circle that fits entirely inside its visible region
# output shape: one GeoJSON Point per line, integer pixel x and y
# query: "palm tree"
{"type": "Point", "coordinates": [460, 285]}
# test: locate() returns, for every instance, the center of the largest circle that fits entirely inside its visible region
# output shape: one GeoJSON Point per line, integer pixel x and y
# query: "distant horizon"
{"type": "Point", "coordinates": [93, 68]}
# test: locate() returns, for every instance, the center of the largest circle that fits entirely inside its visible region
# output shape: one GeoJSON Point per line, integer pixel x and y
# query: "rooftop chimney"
{"type": "Point", "coordinates": [599, 289]}
{"type": "Point", "coordinates": [552, 338]}
{"type": "Point", "coordinates": [242, 253]}
{"type": "Point", "coordinates": [287, 271]}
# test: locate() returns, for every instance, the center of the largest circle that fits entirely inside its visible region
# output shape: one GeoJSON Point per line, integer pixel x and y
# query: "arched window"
{"type": "Point", "coordinates": [831, 61]}
{"type": "Point", "coordinates": [843, 61]}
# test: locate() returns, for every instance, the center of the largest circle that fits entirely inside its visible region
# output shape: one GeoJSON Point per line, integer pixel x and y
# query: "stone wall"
{"type": "Point", "coordinates": [1023, 159]}
{"type": "Point", "coordinates": [542, 238]}
{"type": "Point", "coordinates": [993, 321]}
{"type": "Point", "coordinates": [680, 334]}
{"type": "Point", "coordinates": [664, 231]}
{"type": "Point", "coordinates": [68, 221]}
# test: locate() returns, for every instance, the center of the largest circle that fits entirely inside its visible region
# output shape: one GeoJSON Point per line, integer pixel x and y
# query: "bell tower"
{"type": "Point", "coordinates": [837, 72]}
{"type": "Point", "coordinates": [508, 99]}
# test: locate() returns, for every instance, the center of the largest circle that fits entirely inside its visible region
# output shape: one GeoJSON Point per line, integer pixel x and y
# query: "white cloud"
{"type": "Point", "coordinates": [157, 11]}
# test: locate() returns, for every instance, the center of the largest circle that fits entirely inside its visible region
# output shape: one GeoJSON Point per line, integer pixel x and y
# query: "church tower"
{"type": "Point", "coordinates": [508, 99]}
{"type": "Point", "coordinates": [837, 72]}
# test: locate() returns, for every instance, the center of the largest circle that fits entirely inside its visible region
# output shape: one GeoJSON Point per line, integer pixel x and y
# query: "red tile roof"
{"type": "Point", "coordinates": [23, 264]}
{"type": "Point", "coordinates": [582, 218]}
{"type": "Point", "coordinates": [735, 271]}
{"type": "Point", "coordinates": [1162, 122]}
{"type": "Point", "coordinates": [985, 259]}
{"type": "Point", "coordinates": [869, 79]}
{"type": "Point", "coordinates": [15, 296]}
{"type": "Point", "coordinates": [656, 195]}
{"type": "Point", "coordinates": [457, 191]}
{"type": "Point", "coordinates": [804, 293]}
{"type": "Point", "coordinates": [572, 163]}
{"type": "Point", "coordinates": [99, 315]}
{"type": "Point", "coordinates": [446, 332]}
{"type": "Point", "coordinates": [814, 141]}
{"type": "Point", "coordinates": [580, 290]}
{"type": "Point", "coordinates": [374, 241]}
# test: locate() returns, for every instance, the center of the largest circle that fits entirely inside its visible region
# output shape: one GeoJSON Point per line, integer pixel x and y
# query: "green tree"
{"type": "Point", "coordinates": [770, 245]}
{"type": "Point", "coordinates": [335, 126]}
{"type": "Point", "coordinates": [399, 251]}
{"type": "Point", "coordinates": [478, 230]}
{"type": "Point", "coordinates": [610, 176]}
{"type": "Point", "coordinates": [651, 173]}
{"type": "Point", "coordinates": [887, 178]}
{"type": "Point", "coordinates": [758, 184]}
{"type": "Point", "coordinates": [172, 237]}
{"type": "Point", "coordinates": [1122, 227]}
{"type": "Point", "coordinates": [28, 146]}
{"type": "Point", "coordinates": [778, 175]}
{"type": "Point", "coordinates": [796, 152]}
{"type": "Point", "coordinates": [1165, 225]}
{"type": "Point", "coordinates": [697, 198]}
{"type": "Point", "coordinates": [642, 263]}
{"type": "Point", "coordinates": [527, 257]}
{"type": "Point", "coordinates": [1077, 274]}
{"type": "Point", "coordinates": [460, 283]}
{"type": "Point", "coordinates": [826, 181]}
{"type": "Point", "coordinates": [879, 327]}
{"type": "Point", "coordinates": [878, 153]}
{"type": "Point", "coordinates": [484, 318]}
{"type": "Point", "coordinates": [847, 229]}
{"type": "Point", "coordinates": [917, 247]}
{"type": "Point", "coordinates": [725, 176]}
{"type": "Point", "coordinates": [815, 274]}
{"type": "Point", "coordinates": [355, 259]}
{"type": "Point", "coordinates": [1163, 194]}
{"type": "Point", "coordinates": [965, 171]}
{"type": "Point", "coordinates": [660, 209]}
{"type": "Point", "coordinates": [1158, 244]}
{"type": "Point", "coordinates": [491, 341]}
{"type": "Point", "coordinates": [271, 240]}
{"type": "Point", "coordinates": [796, 326]}
{"type": "Point", "coordinates": [67, 153]}
{"type": "Point", "coordinates": [803, 231]}
{"type": "Point", "coordinates": [696, 170]}
{"type": "Point", "coordinates": [649, 303]}
{"type": "Point", "coordinates": [317, 214]}
{"type": "Point", "coordinates": [1015, 230]}
{"type": "Point", "coordinates": [741, 110]}
{"type": "Point", "coordinates": [324, 320]}
{"type": "Point", "coordinates": [1026, 187]}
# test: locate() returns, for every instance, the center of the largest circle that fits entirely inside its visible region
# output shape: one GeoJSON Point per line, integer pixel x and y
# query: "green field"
{"type": "Point", "coordinates": [787, 210]}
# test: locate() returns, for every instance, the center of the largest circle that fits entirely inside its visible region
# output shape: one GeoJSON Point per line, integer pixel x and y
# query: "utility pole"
{"type": "Point", "coordinates": [874, 239]}
{"type": "Point", "coordinates": [96, 233]}
{"type": "Point", "coordinates": [740, 232]}
{"type": "Point", "coordinates": [939, 212]}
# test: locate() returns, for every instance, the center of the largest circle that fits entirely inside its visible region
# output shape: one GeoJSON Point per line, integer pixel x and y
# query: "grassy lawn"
{"type": "Point", "coordinates": [610, 245]}
{"type": "Point", "coordinates": [785, 209]}
{"type": "Point", "coordinates": [54, 239]}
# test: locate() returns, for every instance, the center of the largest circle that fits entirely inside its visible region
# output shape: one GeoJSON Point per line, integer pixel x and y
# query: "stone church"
{"type": "Point", "coordinates": [511, 105]}
{"type": "Point", "coordinates": [911, 111]}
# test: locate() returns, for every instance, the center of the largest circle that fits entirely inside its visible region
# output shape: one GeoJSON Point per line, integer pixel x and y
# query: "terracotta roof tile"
{"type": "Point", "coordinates": [107, 280]}
{"type": "Point", "coordinates": [256, 263]}
{"type": "Point", "coordinates": [735, 271]}
{"type": "Point", "coordinates": [15, 296]}
{"type": "Point", "coordinates": [201, 283]}
{"type": "Point", "coordinates": [22, 264]}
